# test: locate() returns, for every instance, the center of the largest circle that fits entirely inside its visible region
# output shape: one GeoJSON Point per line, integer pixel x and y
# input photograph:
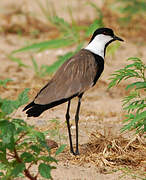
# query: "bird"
{"type": "Point", "coordinates": [73, 78]}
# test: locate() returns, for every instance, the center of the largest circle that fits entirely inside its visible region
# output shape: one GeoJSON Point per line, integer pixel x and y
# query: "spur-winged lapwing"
{"type": "Point", "coordinates": [73, 78]}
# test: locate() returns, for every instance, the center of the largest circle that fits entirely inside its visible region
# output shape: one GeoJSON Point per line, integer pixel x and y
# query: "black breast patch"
{"type": "Point", "coordinates": [100, 66]}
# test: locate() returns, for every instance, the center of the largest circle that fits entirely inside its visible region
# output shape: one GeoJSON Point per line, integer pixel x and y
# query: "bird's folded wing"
{"type": "Point", "coordinates": [74, 77]}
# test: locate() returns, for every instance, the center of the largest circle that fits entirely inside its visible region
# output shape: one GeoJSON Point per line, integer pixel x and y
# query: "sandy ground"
{"type": "Point", "coordinates": [101, 109]}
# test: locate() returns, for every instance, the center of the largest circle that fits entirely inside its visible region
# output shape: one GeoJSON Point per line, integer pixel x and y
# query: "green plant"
{"type": "Point", "coordinates": [67, 30]}
{"type": "Point", "coordinates": [135, 102]}
{"type": "Point", "coordinates": [21, 146]}
{"type": "Point", "coordinates": [18, 61]}
{"type": "Point", "coordinates": [4, 82]}
{"type": "Point", "coordinates": [113, 48]}
{"type": "Point", "coordinates": [130, 8]}
{"type": "Point", "coordinates": [56, 43]}
{"type": "Point", "coordinates": [38, 70]}
{"type": "Point", "coordinates": [61, 59]}
{"type": "Point", "coordinates": [70, 33]}
{"type": "Point", "coordinates": [98, 22]}
{"type": "Point", "coordinates": [52, 68]}
{"type": "Point", "coordinates": [52, 44]}
{"type": "Point", "coordinates": [45, 69]}
{"type": "Point", "coordinates": [48, 9]}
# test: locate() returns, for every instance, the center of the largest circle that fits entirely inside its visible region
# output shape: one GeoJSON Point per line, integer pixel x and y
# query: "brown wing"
{"type": "Point", "coordinates": [74, 77]}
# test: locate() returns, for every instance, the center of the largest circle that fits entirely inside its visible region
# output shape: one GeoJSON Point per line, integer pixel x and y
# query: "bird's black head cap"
{"type": "Point", "coordinates": [105, 31]}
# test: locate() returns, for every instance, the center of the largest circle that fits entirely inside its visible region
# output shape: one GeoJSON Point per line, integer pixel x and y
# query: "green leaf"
{"type": "Point", "coordinates": [113, 48]}
{"type": "Point", "coordinates": [52, 68]}
{"type": "Point", "coordinates": [60, 149]}
{"type": "Point", "coordinates": [8, 106]}
{"type": "Point", "coordinates": [140, 116]}
{"type": "Point", "coordinates": [45, 170]}
{"type": "Point", "coordinates": [98, 11]}
{"type": "Point", "coordinates": [2, 166]}
{"type": "Point", "coordinates": [3, 157]}
{"type": "Point", "coordinates": [52, 44]}
{"type": "Point", "coordinates": [69, 31]}
{"type": "Point", "coordinates": [134, 107]}
{"type": "Point", "coordinates": [18, 61]}
{"type": "Point", "coordinates": [7, 131]}
{"type": "Point", "coordinates": [79, 47]}
{"type": "Point", "coordinates": [44, 145]}
{"type": "Point", "coordinates": [4, 82]}
{"type": "Point", "coordinates": [133, 70]}
{"type": "Point", "coordinates": [134, 119]}
{"type": "Point", "coordinates": [39, 135]}
{"type": "Point", "coordinates": [48, 159]}
{"type": "Point", "coordinates": [19, 168]}
{"type": "Point", "coordinates": [23, 97]}
{"type": "Point", "coordinates": [35, 148]}
{"type": "Point", "coordinates": [21, 128]}
{"type": "Point", "coordinates": [61, 24]}
{"type": "Point", "coordinates": [134, 59]}
{"type": "Point", "coordinates": [35, 65]}
{"type": "Point", "coordinates": [96, 24]}
{"type": "Point", "coordinates": [61, 59]}
{"type": "Point", "coordinates": [27, 157]}
{"type": "Point", "coordinates": [19, 123]}
{"type": "Point", "coordinates": [136, 85]}
{"type": "Point", "coordinates": [1, 173]}
{"type": "Point", "coordinates": [135, 101]}
{"type": "Point", "coordinates": [2, 147]}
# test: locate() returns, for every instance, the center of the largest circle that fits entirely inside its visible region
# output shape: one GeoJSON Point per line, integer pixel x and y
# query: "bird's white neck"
{"type": "Point", "coordinates": [97, 45]}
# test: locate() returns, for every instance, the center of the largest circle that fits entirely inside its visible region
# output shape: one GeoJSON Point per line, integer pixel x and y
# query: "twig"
{"type": "Point", "coordinates": [30, 165]}
{"type": "Point", "coordinates": [20, 137]}
{"type": "Point", "coordinates": [26, 171]}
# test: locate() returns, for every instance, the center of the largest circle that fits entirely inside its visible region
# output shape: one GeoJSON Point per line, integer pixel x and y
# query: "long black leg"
{"type": "Point", "coordinates": [76, 122]}
{"type": "Point", "coordinates": [68, 126]}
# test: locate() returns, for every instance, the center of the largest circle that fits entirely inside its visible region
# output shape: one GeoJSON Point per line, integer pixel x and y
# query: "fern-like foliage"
{"type": "Point", "coordinates": [135, 102]}
{"type": "Point", "coordinates": [129, 9]}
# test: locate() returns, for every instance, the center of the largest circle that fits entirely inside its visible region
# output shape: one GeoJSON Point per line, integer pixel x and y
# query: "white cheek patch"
{"type": "Point", "coordinates": [97, 45]}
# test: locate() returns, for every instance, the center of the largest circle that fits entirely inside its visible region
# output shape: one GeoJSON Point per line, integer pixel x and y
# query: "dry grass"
{"type": "Point", "coordinates": [102, 150]}
{"type": "Point", "coordinates": [110, 150]}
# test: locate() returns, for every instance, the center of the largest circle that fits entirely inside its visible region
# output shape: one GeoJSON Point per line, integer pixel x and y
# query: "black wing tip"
{"type": "Point", "coordinates": [32, 113]}
{"type": "Point", "coordinates": [29, 115]}
{"type": "Point", "coordinates": [29, 106]}
{"type": "Point", "coordinates": [34, 110]}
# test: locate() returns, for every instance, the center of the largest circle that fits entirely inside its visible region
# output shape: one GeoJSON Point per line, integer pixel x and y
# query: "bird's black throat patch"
{"type": "Point", "coordinates": [100, 66]}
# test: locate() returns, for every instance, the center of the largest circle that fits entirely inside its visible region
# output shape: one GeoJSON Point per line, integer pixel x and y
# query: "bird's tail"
{"type": "Point", "coordinates": [34, 110]}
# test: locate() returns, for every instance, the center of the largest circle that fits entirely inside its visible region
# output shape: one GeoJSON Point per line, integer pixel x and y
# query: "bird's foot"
{"type": "Point", "coordinates": [74, 153]}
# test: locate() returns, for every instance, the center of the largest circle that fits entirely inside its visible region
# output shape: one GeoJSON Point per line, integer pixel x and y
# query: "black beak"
{"type": "Point", "coordinates": [117, 38]}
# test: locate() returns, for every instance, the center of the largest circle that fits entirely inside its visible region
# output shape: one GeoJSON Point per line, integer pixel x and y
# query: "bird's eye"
{"type": "Point", "coordinates": [105, 33]}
